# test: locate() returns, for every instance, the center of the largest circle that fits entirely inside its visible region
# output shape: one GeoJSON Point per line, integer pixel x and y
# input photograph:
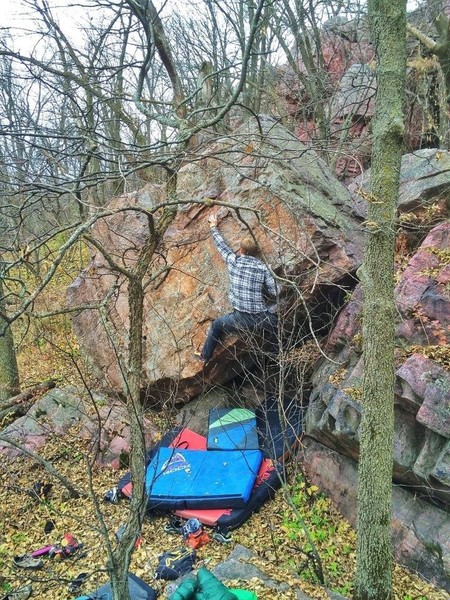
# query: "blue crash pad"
{"type": "Point", "coordinates": [177, 478]}
{"type": "Point", "coordinates": [232, 429]}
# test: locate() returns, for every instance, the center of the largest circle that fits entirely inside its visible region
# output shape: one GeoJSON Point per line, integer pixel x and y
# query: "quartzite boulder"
{"type": "Point", "coordinates": [69, 411]}
{"type": "Point", "coordinates": [420, 531]}
{"type": "Point", "coordinates": [422, 393]}
{"type": "Point", "coordinates": [299, 213]}
{"type": "Point", "coordinates": [424, 186]}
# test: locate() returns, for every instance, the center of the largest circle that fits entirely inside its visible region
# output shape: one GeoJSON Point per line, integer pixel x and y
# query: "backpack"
{"type": "Point", "coordinates": [175, 563]}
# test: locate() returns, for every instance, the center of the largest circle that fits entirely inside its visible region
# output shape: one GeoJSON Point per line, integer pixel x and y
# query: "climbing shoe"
{"type": "Point", "coordinates": [22, 593]}
{"type": "Point", "coordinates": [26, 561]}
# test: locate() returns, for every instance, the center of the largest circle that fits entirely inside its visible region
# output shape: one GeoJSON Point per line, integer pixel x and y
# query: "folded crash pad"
{"type": "Point", "coordinates": [232, 429]}
{"type": "Point", "coordinates": [177, 478]}
{"type": "Point", "coordinates": [279, 424]}
{"type": "Point", "coordinates": [177, 437]}
{"type": "Point", "coordinates": [226, 519]}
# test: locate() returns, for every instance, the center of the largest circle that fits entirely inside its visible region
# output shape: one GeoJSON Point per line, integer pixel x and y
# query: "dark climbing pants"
{"type": "Point", "coordinates": [263, 323]}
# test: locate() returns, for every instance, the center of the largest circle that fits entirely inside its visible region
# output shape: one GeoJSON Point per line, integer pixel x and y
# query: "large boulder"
{"type": "Point", "coordinates": [422, 392]}
{"type": "Point", "coordinates": [264, 180]}
{"type": "Point", "coordinates": [420, 531]}
{"type": "Point", "coordinates": [69, 411]}
{"type": "Point", "coordinates": [424, 187]}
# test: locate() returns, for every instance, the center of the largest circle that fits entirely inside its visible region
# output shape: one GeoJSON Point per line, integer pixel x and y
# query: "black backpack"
{"type": "Point", "coordinates": [175, 563]}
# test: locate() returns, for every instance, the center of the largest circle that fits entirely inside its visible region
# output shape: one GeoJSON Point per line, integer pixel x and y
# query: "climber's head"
{"type": "Point", "coordinates": [248, 247]}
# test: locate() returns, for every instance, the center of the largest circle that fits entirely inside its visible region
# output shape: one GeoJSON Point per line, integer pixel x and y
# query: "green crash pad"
{"type": "Point", "coordinates": [207, 587]}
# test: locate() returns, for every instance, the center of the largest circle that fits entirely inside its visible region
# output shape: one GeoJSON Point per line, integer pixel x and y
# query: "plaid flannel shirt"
{"type": "Point", "coordinates": [250, 279]}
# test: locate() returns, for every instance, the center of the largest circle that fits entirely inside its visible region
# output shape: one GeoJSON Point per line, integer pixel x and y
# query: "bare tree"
{"type": "Point", "coordinates": [103, 135]}
{"type": "Point", "coordinates": [9, 373]}
{"type": "Point", "coordinates": [435, 45]}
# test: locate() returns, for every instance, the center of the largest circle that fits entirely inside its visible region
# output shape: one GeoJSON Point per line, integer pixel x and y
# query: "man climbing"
{"type": "Point", "coordinates": [250, 282]}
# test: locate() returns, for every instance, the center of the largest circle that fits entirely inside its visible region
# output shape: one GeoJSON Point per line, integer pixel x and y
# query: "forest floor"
{"type": "Point", "coordinates": [275, 534]}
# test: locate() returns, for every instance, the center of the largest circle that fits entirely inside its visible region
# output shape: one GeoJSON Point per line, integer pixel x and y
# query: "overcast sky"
{"type": "Point", "coordinates": [16, 16]}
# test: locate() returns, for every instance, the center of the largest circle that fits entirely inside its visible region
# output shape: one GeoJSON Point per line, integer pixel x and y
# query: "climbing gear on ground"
{"type": "Point", "coordinates": [42, 551]}
{"type": "Point", "coordinates": [175, 563]}
{"type": "Point", "coordinates": [68, 546]}
{"type": "Point", "coordinates": [22, 593]}
{"type": "Point", "coordinates": [76, 583]}
{"type": "Point", "coordinates": [222, 538]}
{"type": "Point", "coordinates": [191, 526]}
{"type": "Point", "coordinates": [194, 534]}
{"type": "Point", "coordinates": [113, 495]}
{"type": "Point", "coordinates": [49, 526]}
{"type": "Point", "coordinates": [174, 525]}
{"type": "Point", "coordinates": [40, 490]}
{"type": "Point", "coordinates": [26, 561]}
{"type": "Point", "coordinates": [192, 531]}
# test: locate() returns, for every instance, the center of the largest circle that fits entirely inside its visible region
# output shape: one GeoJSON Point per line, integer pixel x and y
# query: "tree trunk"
{"type": "Point", "coordinates": [121, 557]}
{"type": "Point", "coordinates": [387, 20]}
{"type": "Point", "coordinates": [9, 372]}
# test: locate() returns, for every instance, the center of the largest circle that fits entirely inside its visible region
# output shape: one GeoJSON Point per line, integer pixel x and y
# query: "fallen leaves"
{"type": "Point", "coordinates": [265, 533]}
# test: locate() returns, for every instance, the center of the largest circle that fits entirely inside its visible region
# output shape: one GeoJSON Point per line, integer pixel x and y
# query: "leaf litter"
{"type": "Point", "coordinates": [267, 533]}
{"type": "Point", "coordinates": [273, 533]}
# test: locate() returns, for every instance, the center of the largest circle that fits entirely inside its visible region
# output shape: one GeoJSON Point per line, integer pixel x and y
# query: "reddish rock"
{"type": "Point", "coordinates": [422, 295]}
{"type": "Point", "coordinates": [346, 90]}
{"type": "Point", "coordinates": [348, 323]}
{"type": "Point", "coordinates": [423, 184]}
{"type": "Point", "coordinates": [299, 214]}
{"type": "Point", "coordinates": [422, 386]}
{"type": "Point", "coordinates": [434, 412]}
{"type": "Point", "coordinates": [53, 414]}
{"type": "Point", "coordinates": [420, 531]}
{"type": "Point", "coordinates": [58, 411]}
{"type": "Point", "coordinates": [109, 431]}
{"type": "Point", "coordinates": [422, 298]}
{"type": "Point", "coordinates": [413, 377]}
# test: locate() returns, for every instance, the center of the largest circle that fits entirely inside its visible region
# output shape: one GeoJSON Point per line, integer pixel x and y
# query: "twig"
{"type": "Point", "coordinates": [74, 493]}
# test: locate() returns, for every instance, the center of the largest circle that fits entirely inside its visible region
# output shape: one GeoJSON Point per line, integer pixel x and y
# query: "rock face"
{"type": "Point", "coordinates": [420, 532]}
{"type": "Point", "coordinates": [299, 213]}
{"type": "Point", "coordinates": [347, 85]}
{"type": "Point", "coordinates": [424, 185]}
{"type": "Point", "coordinates": [422, 392]}
{"type": "Point", "coordinates": [341, 80]}
{"type": "Point", "coordinates": [304, 222]}
{"type": "Point", "coordinates": [67, 411]}
{"type": "Point", "coordinates": [422, 440]}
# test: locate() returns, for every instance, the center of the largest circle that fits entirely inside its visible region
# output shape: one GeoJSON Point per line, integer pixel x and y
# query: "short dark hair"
{"type": "Point", "coordinates": [248, 246]}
